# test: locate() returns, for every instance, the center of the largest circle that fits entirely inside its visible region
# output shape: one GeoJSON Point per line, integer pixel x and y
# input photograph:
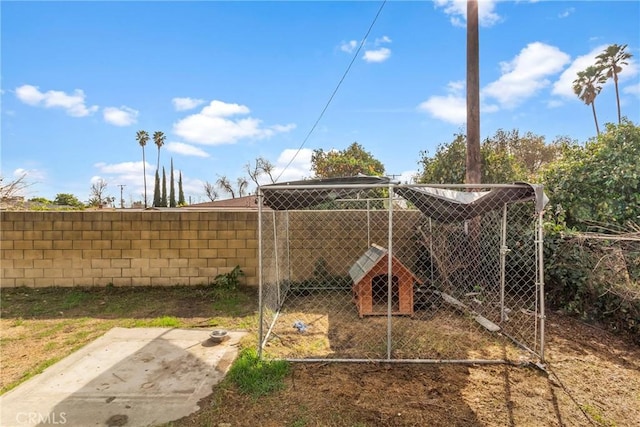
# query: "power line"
{"type": "Point", "coordinates": [355, 56]}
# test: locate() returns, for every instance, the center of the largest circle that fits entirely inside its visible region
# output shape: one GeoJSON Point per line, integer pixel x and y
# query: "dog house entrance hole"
{"type": "Point", "coordinates": [380, 291]}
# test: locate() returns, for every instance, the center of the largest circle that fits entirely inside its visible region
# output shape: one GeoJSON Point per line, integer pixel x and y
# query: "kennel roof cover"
{"type": "Point", "coordinates": [443, 204]}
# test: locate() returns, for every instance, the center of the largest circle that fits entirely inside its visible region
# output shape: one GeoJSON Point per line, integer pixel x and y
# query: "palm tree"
{"type": "Point", "coordinates": [611, 61]}
{"type": "Point", "coordinates": [474, 159]}
{"type": "Point", "coordinates": [143, 137]}
{"type": "Point", "coordinates": [158, 139]}
{"type": "Point", "coordinates": [587, 87]}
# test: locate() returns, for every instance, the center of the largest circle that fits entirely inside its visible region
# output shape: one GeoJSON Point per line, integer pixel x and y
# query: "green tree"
{"type": "Point", "coordinates": [587, 87]}
{"type": "Point", "coordinates": [66, 199]}
{"type": "Point", "coordinates": [143, 137]}
{"type": "Point", "coordinates": [158, 139]}
{"type": "Point", "coordinates": [506, 157]}
{"type": "Point", "coordinates": [172, 189]}
{"type": "Point", "coordinates": [157, 198]}
{"type": "Point", "coordinates": [526, 155]}
{"type": "Point", "coordinates": [351, 161]}
{"type": "Point", "coordinates": [611, 61]}
{"type": "Point", "coordinates": [600, 182]}
{"type": "Point", "coordinates": [41, 200]}
{"type": "Point", "coordinates": [181, 201]}
{"type": "Point", "coordinates": [163, 198]}
{"type": "Point", "coordinates": [447, 166]}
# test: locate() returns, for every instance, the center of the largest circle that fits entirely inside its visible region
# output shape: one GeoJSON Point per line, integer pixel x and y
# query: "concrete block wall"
{"type": "Point", "coordinates": [126, 248]}
{"type": "Point", "coordinates": [337, 238]}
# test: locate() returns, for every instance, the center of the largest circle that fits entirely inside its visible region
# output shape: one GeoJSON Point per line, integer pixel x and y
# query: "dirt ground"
{"type": "Point", "coordinates": [592, 377]}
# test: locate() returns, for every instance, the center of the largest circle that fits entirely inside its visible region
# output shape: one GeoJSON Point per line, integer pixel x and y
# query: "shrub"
{"type": "Point", "coordinates": [597, 280]}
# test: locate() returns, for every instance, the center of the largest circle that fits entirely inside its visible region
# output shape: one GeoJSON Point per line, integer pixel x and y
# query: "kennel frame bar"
{"type": "Point", "coordinates": [539, 271]}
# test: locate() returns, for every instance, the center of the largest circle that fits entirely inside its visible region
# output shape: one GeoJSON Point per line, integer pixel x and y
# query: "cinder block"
{"type": "Point", "coordinates": [23, 244]}
{"type": "Point", "coordinates": [62, 244]}
{"type": "Point", "coordinates": [111, 253]}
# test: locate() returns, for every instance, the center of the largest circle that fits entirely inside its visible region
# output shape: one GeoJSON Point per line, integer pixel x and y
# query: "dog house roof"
{"type": "Point", "coordinates": [367, 261]}
{"type": "Point", "coordinates": [443, 204]}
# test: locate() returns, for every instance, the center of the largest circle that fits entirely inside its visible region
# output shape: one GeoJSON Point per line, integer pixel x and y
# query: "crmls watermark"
{"type": "Point", "coordinates": [52, 418]}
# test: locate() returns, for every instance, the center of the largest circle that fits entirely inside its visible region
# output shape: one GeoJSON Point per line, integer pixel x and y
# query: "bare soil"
{"type": "Point", "coordinates": [592, 377]}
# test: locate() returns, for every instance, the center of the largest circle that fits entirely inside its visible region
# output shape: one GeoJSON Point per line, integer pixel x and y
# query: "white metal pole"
{"type": "Point", "coordinates": [541, 281]}
{"type": "Point", "coordinates": [275, 250]}
{"type": "Point", "coordinates": [260, 302]}
{"type": "Point", "coordinates": [503, 261]}
{"type": "Point", "coordinates": [389, 272]}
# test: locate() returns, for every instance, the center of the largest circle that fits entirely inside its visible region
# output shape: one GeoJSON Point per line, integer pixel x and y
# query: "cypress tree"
{"type": "Point", "coordinates": [172, 190]}
{"type": "Point", "coordinates": [181, 201]}
{"type": "Point", "coordinates": [156, 191]}
{"type": "Point", "coordinates": [163, 201]}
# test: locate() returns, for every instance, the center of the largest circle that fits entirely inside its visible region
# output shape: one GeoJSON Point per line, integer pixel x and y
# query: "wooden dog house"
{"type": "Point", "coordinates": [370, 275]}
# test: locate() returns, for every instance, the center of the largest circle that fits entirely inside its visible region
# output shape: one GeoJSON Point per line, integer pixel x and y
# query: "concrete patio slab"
{"type": "Point", "coordinates": [128, 377]}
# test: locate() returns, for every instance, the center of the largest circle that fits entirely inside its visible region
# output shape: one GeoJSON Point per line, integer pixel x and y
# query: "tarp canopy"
{"type": "Point", "coordinates": [307, 194]}
{"type": "Point", "coordinates": [442, 204]}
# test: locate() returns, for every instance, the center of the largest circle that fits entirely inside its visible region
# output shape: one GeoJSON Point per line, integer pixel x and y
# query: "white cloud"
{"type": "Point", "coordinates": [128, 174]}
{"type": "Point", "coordinates": [555, 103]}
{"type": "Point", "coordinates": [97, 178]}
{"type": "Point", "coordinates": [456, 87]}
{"type": "Point", "coordinates": [383, 39]}
{"type": "Point", "coordinates": [349, 46]}
{"type": "Point", "coordinates": [407, 177]}
{"type": "Point", "coordinates": [564, 85]}
{"type": "Point", "coordinates": [632, 89]}
{"type": "Point", "coordinates": [123, 116]}
{"type": "Point", "coordinates": [300, 167]}
{"type": "Point", "coordinates": [182, 104]}
{"type": "Point", "coordinates": [378, 55]}
{"type": "Point", "coordinates": [215, 125]}
{"type": "Point", "coordinates": [565, 13]}
{"type": "Point", "coordinates": [457, 9]}
{"type": "Point", "coordinates": [74, 105]}
{"type": "Point", "coordinates": [186, 149]}
{"type": "Point", "coordinates": [31, 175]}
{"type": "Point", "coordinates": [526, 74]}
{"type": "Point", "coordinates": [451, 108]}
{"type": "Point", "coordinates": [283, 128]}
{"type": "Point", "coordinates": [124, 168]}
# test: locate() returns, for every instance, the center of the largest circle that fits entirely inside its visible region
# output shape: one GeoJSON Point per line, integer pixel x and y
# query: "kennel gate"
{"type": "Point", "coordinates": [474, 254]}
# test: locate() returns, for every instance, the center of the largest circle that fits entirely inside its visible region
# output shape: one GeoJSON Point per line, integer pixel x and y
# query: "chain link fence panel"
{"type": "Point", "coordinates": [400, 273]}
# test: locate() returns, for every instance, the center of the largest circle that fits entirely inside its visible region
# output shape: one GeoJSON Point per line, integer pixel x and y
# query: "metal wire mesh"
{"type": "Point", "coordinates": [365, 274]}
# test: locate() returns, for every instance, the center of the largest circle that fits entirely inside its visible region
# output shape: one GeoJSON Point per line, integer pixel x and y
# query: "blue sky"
{"type": "Point", "coordinates": [228, 82]}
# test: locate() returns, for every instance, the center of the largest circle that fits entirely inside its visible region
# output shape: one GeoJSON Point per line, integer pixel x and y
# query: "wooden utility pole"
{"type": "Point", "coordinates": [121, 199]}
{"type": "Point", "coordinates": [473, 160]}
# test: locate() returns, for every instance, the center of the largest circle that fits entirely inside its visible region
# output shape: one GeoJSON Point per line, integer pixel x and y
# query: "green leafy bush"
{"type": "Point", "coordinates": [596, 280]}
{"type": "Point", "coordinates": [229, 281]}
{"type": "Point", "coordinates": [598, 184]}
